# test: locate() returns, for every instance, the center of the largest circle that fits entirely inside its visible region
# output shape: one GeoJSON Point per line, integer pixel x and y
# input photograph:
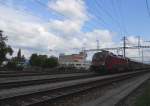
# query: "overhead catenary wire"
{"type": "Point", "coordinates": [147, 7]}
{"type": "Point", "coordinates": [99, 18]}
{"type": "Point", "coordinates": [23, 11]}
{"type": "Point", "coordinates": [114, 8]}
{"type": "Point", "coordinates": [118, 11]}
{"type": "Point", "coordinates": [107, 13]}
{"type": "Point", "coordinates": [89, 26]}
{"type": "Point", "coordinates": [46, 6]}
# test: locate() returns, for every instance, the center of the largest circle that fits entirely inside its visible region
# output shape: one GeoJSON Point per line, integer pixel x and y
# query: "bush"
{"type": "Point", "coordinates": [13, 66]}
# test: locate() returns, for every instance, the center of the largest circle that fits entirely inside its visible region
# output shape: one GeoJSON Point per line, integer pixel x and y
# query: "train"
{"type": "Point", "coordinates": [106, 62]}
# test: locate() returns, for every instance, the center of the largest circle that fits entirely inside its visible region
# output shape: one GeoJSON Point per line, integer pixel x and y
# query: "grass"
{"type": "Point", "coordinates": [144, 99]}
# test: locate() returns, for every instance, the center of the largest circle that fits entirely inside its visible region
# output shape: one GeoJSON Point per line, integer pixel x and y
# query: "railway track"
{"type": "Point", "coordinates": [11, 82]}
{"type": "Point", "coordinates": [32, 73]}
{"type": "Point", "coordinates": [38, 94]}
{"type": "Point", "coordinates": [3, 75]}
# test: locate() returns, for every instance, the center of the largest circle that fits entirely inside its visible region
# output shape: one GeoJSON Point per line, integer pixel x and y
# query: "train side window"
{"type": "Point", "coordinates": [108, 60]}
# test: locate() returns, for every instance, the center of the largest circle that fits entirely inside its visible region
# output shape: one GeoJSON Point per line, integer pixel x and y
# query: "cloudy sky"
{"type": "Point", "coordinates": [66, 26]}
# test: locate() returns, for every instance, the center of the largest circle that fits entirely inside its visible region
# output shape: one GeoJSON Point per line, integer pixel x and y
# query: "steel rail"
{"type": "Point", "coordinates": [12, 82]}
{"type": "Point", "coordinates": [47, 92]}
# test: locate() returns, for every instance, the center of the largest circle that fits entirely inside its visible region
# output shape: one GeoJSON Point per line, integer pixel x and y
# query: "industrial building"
{"type": "Point", "coordinates": [74, 60]}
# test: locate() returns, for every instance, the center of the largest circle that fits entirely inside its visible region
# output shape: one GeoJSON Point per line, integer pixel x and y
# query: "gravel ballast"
{"type": "Point", "coordinates": [86, 96]}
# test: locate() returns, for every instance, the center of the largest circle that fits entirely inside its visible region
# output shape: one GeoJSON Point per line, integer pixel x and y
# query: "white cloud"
{"type": "Point", "coordinates": [132, 40]}
{"type": "Point", "coordinates": [75, 16]}
{"type": "Point", "coordinates": [66, 27]}
{"type": "Point", "coordinates": [32, 34]}
{"type": "Point", "coordinates": [71, 27]}
{"type": "Point", "coordinates": [25, 31]}
{"type": "Point", "coordinates": [73, 9]}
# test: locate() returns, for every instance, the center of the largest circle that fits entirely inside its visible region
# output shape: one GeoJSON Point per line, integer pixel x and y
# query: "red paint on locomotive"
{"type": "Point", "coordinates": [110, 62]}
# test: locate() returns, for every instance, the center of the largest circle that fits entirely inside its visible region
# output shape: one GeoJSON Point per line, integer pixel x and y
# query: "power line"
{"type": "Point", "coordinates": [97, 43]}
{"type": "Point", "coordinates": [108, 14]}
{"type": "Point", "coordinates": [98, 17]}
{"type": "Point", "coordinates": [44, 5]}
{"type": "Point", "coordinates": [61, 14]}
{"type": "Point", "coordinates": [124, 46]}
{"type": "Point", "coordinates": [115, 11]}
{"type": "Point", "coordinates": [118, 10]}
{"type": "Point", "coordinates": [148, 8]}
{"type": "Point", "coordinates": [23, 10]}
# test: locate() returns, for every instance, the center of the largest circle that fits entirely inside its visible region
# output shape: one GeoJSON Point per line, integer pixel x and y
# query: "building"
{"type": "Point", "coordinates": [74, 60]}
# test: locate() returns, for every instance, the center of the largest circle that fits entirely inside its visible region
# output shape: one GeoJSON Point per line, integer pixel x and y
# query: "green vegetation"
{"type": "Point", "coordinates": [16, 63]}
{"type": "Point", "coordinates": [144, 99]}
{"type": "Point", "coordinates": [50, 62]}
{"type": "Point", "coordinates": [4, 48]}
{"type": "Point", "coordinates": [43, 61]}
{"type": "Point", "coordinates": [13, 65]}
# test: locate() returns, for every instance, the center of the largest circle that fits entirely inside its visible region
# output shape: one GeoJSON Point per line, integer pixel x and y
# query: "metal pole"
{"type": "Point", "coordinates": [139, 44]}
{"type": "Point", "coordinates": [142, 56]}
{"type": "Point", "coordinates": [97, 44]}
{"type": "Point", "coordinates": [124, 46]}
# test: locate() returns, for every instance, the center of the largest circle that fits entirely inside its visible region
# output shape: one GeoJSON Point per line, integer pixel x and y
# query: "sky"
{"type": "Point", "coordinates": [66, 26]}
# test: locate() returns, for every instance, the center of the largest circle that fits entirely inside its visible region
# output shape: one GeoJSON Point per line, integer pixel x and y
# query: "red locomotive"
{"type": "Point", "coordinates": [106, 62]}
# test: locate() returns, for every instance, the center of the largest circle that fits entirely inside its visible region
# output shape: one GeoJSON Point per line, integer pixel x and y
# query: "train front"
{"type": "Point", "coordinates": [98, 62]}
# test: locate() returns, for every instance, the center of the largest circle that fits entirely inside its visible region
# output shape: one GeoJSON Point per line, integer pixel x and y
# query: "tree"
{"type": "Point", "coordinates": [43, 61]}
{"type": "Point", "coordinates": [4, 48]}
{"type": "Point", "coordinates": [50, 62]}
{"type": "Point", "coordinates": [20, 58]}
{"type": "Point", "coordinates": [13, 64]}
{"type": "Point", "coordinates": [19, 54]}
{"type": "Point", "coordinates": [33, 59]}
{"type": "Point", "coordinates": [16, 63]}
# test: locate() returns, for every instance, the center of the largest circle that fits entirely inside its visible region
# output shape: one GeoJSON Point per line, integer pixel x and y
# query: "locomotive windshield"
{"type": "Point", "coordinates": [100, 56]}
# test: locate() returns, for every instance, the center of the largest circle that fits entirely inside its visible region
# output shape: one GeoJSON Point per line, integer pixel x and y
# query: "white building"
{"type": "Point", "coordinates": [74, 60]}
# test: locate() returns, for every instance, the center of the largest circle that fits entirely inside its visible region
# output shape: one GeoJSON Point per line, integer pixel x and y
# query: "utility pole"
{"type": "Point", "coordinates": [117, 52]}
{"type": "Point", "coordinates": [142, 56]}
{"type": "Point", "coordinates": [124, 46]}
{"type": "Point", "coordinates": [139, 44]}
{"type": "Point", "coordinates": [97, 44]}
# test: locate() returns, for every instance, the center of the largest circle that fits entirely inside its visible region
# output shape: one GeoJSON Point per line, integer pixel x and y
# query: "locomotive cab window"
{"type": "Point", "coordinates": [100, 56]}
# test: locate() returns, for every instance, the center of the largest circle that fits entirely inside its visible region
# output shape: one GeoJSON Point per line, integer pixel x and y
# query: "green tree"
{"type": "Point", "coordinates": [37, 60]}
{"type": "Point", "coordinates": [19, 54]}
{"type": "Point", "coordinates": [16, 63]}
{"type": "Point", "coordinates": [50, 62]}
{"type": "Point", "coordinates": [19, 58]}
{"type": "Point", "coordinates": [4, 48]}
{"type": "Point", "coordinates": [33, 59]}
{"type": "Point", "coordinates": [43, 61]}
